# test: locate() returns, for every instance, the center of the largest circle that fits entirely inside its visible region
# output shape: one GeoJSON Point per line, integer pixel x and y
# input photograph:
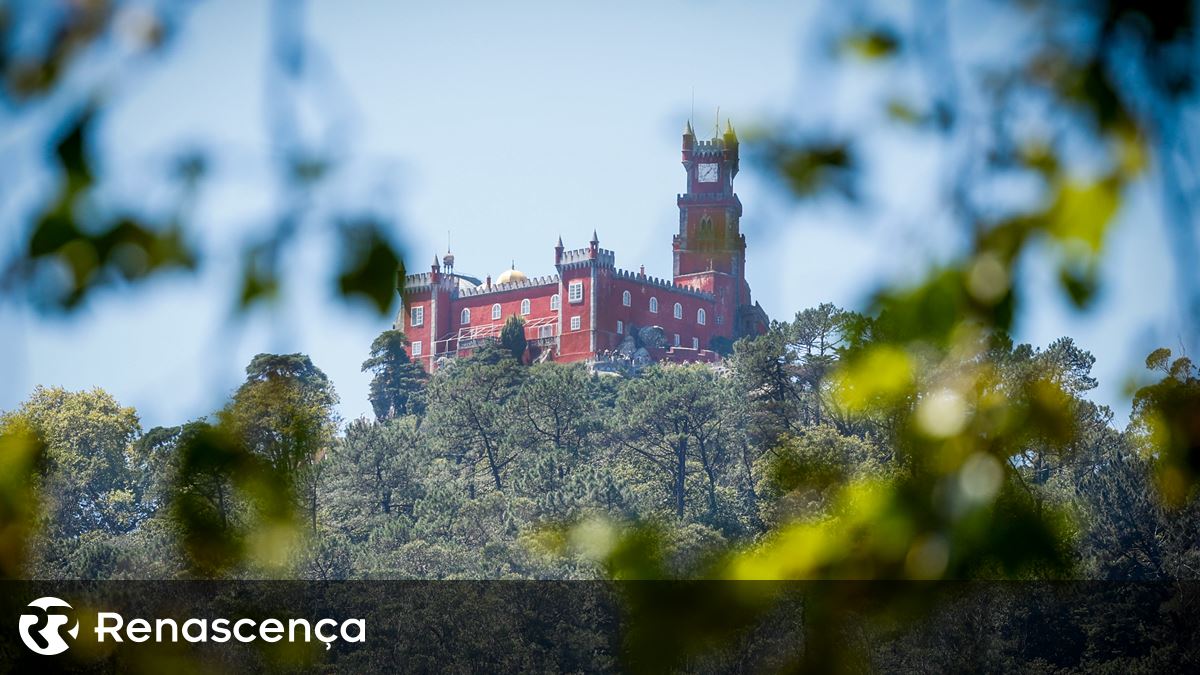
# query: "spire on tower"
{"type": "Point", "coordinates": [687, 129]}
{"type": "Point", "coordinates": [595, 239]}
{"type": "Point", "coordinates": [448, 259]}
{"type": "Point", "coordinates": [560, 241]}
{"type": "Point", "coordinates": [729, 132]}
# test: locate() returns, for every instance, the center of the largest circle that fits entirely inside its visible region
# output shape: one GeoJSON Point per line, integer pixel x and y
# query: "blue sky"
{"type": "Point", "coordinates": [505, 127]}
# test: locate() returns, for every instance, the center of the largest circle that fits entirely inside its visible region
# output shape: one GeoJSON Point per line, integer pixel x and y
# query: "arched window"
{"type": "Point", "coordinates": [495, 311]}
{"type": "Point", "coordinates": [465, 317]}
{"type": "Point", "coordinates": [701, 316]}
{"type": "Point", "coordinates": [554, 301]}
{"type": "Point", "coordinates": [524, 306]}
{"type": "Point", "coordinates": [678, 311]}
{"type": "Point", "coordinates": [626, 299]}
{"type": "Point", "coordinates": [654, 305]}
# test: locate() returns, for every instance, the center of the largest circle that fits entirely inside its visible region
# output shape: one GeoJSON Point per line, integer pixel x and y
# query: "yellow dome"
{"type": "Point", "coordinates": [511, 276]}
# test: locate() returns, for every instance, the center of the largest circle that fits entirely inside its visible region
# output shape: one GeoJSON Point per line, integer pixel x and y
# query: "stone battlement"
{"type": "Point", "coordinates": [418, 282]}
{"type": "Point", "coordinates": [604, 257]}
{"type": "Point", "coordinates": [549, 280]}
{"type": "Point", "coordinates": [663, 283]}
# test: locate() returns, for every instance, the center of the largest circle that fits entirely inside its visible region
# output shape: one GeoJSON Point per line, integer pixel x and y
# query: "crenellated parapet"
{"type": "Point", "coordinates": [581, 257]}
{"type": "Point", "coordinates": [712, 148]}
{"type": "Point", "coordinates": [418, 282]}
{"type": "Point", "coordinates": [668, 284]}
{"type": "Point", "coordinates": [533, 282]}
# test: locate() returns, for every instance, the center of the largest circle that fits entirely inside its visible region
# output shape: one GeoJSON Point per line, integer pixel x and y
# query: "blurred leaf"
{"type": "Point", "coordinates": [1081, 282]}
{"type": "Point", "coordinates": [879, 377]}
{"type": "Point", "coordinates": [307, 170]}
{"type": "Point", "coordinates": [810, 168]}
{"type": "Point", "coordinates": [21, 451]}
{"type": "Point", "coordinates": [1039, 156]}
{"type": "Point", "coordinates": [1168, 415]}
{"type": "Point", "coordinates": [369, 264]}
{"type": "Point", "coordinates": [1083, 211]}
{"type": "Point", "coordinates": [901, 111]}
{"type": "Point", "coordinates": [71, 152]}
{"type": "Point", "coordinates": [871, 44]}
{"type": "Point", "coordinates": [190, 167]}
{"type": "Point", "coordinates": [260, 274]}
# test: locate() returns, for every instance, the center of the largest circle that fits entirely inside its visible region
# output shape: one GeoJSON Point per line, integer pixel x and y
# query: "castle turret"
{"type": "Point", "coordinates": [710, 250]}
{"type": "Point", "coordinates": [731, 147]}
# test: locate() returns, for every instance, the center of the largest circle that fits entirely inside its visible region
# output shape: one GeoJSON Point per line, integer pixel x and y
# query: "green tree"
{"type": "Point", "coordinates": [674, 420]}
{"type": "Point", "coordinates": [397, 383]}
{"type": "Point", "coordinates": [87, 481]}
{"type": "Point", "coordinates": [816, 336]}
{"type": "Point", "coordinates": [512, 337]}
{"type": "Point", "coordinates": [469, 414]}
{"type": "Point", "coordinates": [283, 413]}
{"type": "Point", "coordinates": [1166, 423]}
{"type": "Point", "coordinates": [764, 371]}
{"type": "Point", "coordinates": [375, 474]}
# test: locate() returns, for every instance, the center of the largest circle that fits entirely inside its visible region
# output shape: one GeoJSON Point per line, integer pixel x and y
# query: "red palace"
{"type": "Point", "coordinates": [594, 311]}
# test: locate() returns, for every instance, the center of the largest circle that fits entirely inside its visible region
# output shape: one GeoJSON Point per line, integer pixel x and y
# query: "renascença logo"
{"type": "Point", "coordinates": [42, 631]}
{"type": "Point", "coordinates": [47, 639]}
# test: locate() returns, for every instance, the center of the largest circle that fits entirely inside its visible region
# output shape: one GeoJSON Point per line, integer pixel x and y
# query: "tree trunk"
{"type": "Point", "coordinates": [680, 473]}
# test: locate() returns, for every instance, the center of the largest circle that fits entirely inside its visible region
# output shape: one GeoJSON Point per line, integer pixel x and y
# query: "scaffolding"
{"type": "Point", "coordinates": [541, 331]}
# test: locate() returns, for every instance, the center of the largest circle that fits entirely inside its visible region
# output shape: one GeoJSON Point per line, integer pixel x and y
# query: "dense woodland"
{"type": "Point", "coordinates": [495, 469]}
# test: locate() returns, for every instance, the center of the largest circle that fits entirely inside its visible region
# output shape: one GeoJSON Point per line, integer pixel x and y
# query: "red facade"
{"type": "Point", "coordinates": [589, 308]}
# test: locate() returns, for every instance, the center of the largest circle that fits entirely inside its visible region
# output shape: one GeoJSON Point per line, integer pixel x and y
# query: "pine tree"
{"type": "Point", "coordinates": [512, 337]}
{"type": "Point", "coordinates": [398, 382]}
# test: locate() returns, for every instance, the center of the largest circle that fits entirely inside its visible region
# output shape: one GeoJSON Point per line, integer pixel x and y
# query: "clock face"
{"type": "Point", "coordinates": [707, 173]}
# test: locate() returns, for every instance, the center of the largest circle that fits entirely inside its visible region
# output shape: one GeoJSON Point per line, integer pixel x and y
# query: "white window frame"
{"type": "Point", "coordinates": [677, 339]}
{"type": "Point", "coordinates": [546, 331]}
{"type": "Point", "coordinates": [576, 322]}
{"type": "Point", "coordinates": [678, 311]}
{"type": "Point", "coordinates": [416, 317]}
{"type": "Point", "coordinates": [627, 298]}
{"type": "Point", "coordinates": [653, 305]}
{"type": "Point", "coordinates": [554, 301]}
{"type": "Point", "coordinates": [575, 292]}
{"type": "Point", "coordinates": [525, 307]}
{"type": "Point", "coordinates": [695, 343]}
{"type": "Point", "coordinates": [701, 316]}
{"type": "Point", "coordinates": [464, 317]}
{"type": "Point", "coordinates": [496, 311]}
{"type": "Point", "coordinates": [416, 348]}
{"type": "Point", "coordinates": [620, 327]}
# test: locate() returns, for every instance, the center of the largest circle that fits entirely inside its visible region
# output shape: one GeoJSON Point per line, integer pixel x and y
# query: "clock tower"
{"type": "Point", "coordinates": [709, 236]}
{"type": "Point", "coordinates": [710, 250]}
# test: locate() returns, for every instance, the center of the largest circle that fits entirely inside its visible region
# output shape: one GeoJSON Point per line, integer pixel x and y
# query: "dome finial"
{"type": "Point", "coordinates": [511, 276]}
